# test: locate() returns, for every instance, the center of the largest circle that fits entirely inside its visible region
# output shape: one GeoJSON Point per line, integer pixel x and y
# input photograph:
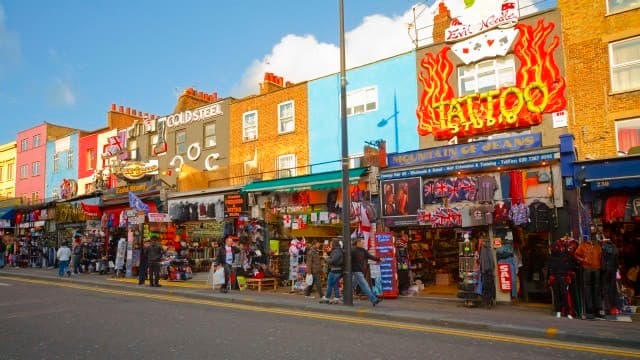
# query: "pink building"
{"type": "Point", "coordinates": [31, 159]}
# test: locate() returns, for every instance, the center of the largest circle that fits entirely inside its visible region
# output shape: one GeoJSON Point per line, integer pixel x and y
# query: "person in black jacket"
{"type": "Point", "coordinates": [336, 263]}
{"type": "Point", "coordinates": [359, 257]}
{"type": "Point", "coordinates": [225, 256]}
{"type": "Point", "coordinates": [154, 255]}
{"type": "Point", "coordinates": [144, 265]}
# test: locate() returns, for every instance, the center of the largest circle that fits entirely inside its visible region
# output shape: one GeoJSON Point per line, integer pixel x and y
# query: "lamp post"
{"type": "Point", "coordinates": [346, 230]}
{"type": "Point", "coordinates": [394, 116]}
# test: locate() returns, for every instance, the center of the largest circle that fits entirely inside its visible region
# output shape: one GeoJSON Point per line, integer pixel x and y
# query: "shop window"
{"type": "Point", "coordinates": [24, 171]}
{"type": "Point", "coordinates": [614, 6]}
{"type": "Point", "coordinates": [36, 140]}
{"type": "Point", "coordinates": [625, 64]}
{"type": "Point", "coordinates": [10, 172]}
{"type": "Point", "coordinates": [56, 162]}
{"type": "Point", "coordinates": [35, 168]}
{"type": "Point", "coordinates": [286, 166]}
{"type": "Point", "coordinates": [628, 135]}
{"type": "Point", "coordinates": [153, 142]}
{"type": "Point", "coordinates": [250, 126]}
{"type": "Point", "coordinates": [91, 159]}
{"type": "Point", "coordinates": [487, 75]}
{"type": "Point", "coordinates": [133, 149]}
{"type": "Point", "coordinates": [24, 145]}
{"type": "Point", "coordinates": [181, 142]}
{"type": "Point", "coordinates": [69, 159]}
{"type": "Point", "coordinates": [210, 135]}
{"type": "Point", "coordinates": [286, 121]}
{"type": "Point", "coordinates": [362, 100]}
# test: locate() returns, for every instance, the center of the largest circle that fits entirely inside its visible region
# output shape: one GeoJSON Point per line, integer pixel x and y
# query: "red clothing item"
{"type": "Point", "coordinates": [615, 207]}
{"type": "Point", "coordinates": [517, 186]}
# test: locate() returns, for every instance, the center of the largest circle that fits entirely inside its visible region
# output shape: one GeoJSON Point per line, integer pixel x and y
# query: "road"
{"type": "Point", "coordinates": [72, 321]}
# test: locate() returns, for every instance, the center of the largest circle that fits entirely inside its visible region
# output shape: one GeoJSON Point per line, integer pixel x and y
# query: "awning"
{"type": "Point", "coordinates": [326, 180]}
{"type": "Point", "coordinates": [7, 213]}
{"type": "Point", "coordinates": [612, 173]}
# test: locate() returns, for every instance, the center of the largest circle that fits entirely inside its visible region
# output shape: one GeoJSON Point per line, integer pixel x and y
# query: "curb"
{"type": "Point", "coordinates": [549, 333]}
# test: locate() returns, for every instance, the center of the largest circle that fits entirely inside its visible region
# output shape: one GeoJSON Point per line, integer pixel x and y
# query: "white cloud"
{"type": "Point", "coordinates": [61, 93]}
{"type": "Point", "coordinates": [10, 52]}
{"type": "Point", "coordinates": [298, 58]}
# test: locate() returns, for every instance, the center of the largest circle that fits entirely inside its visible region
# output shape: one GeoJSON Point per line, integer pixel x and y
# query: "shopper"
{"type": "Point", "coordinates": [143, 267]}
{"type": "Point", "coordinates": [359, 257]}
{"type": "Point", "coordinates": [63, 255]}
{"type": "Point", "coordinates": [314, 267]}
{"type": "Point", "coordinates": [335, 265]}
{"type": "Point", "coordinates": [225, 257]}
{"type": "Point", "coordinates": [154, 255]}
{"type": "Point", "coordinates": [77, 255]}
{"type": "Point", "coordinates": [3, 248]}
{"type": "Point", "coordinates": [589, 254]}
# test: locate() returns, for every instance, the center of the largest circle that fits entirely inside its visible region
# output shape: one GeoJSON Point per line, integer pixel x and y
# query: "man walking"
{"type": "Point", "coordinates": [77, 256]}
{"type": "Point", "coordinates": [143, 267]}
{"type": "Point", "coordinates": [63, 255]}
{"type": "Point", "coordinates": [225, 257]}
{"type": "Point", "coordinates": [154, 255]}
{"type": "Point", "coordinates": [359, 257]}
{"type": "Point", "coordinates": [335, 262]}
{"type": "Point", "coordinates": [314, 267]}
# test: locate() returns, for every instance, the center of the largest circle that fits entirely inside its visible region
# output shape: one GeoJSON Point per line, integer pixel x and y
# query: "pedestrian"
{"type": "Point", "coordinates": [335, 266]}
{"type": "Point", "coordinates": [77, 255]}
{"type": "Point", "coordinates": [154, 255]}
{"type": "Point", "coordinates": [63, 255]}
{"type": "Point", "coordinates": [3, 248]}
{"type": "Point", "coordinates": [314, 267]}
{"type": "Point", "coordinates": [142, 269]}
{"type": "Point", "coordinates": [359, 257]}
{"type": "Point", "coordinates": [589, 254]}
{"type": "Point", "coordinates": [225, 257]}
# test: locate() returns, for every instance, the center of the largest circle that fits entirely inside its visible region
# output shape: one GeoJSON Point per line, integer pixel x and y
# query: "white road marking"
{"type": "Point", "coordinates": [5, 284]}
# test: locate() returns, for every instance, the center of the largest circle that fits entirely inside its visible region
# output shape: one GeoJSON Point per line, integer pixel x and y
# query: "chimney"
{"type": "Point", "coordinates": [271, 83]}
{"type": "Point", "coordinates": [441, 22]}
{"type": "Point", "coordinates": [121, 109]}
{"type": "Point", "coordinates": [113, 107]}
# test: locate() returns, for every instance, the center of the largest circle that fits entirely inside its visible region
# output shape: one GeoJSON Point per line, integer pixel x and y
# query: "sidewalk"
{"type": "Point", "coordinates": [509, 319]}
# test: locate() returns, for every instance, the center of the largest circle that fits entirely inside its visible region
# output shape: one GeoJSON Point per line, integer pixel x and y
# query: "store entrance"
{"type": "Point", "coordinates": [533, 275]}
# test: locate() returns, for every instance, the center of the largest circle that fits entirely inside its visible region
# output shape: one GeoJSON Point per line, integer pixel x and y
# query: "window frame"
{"type": "Point", "coordinates": [363, 93]}
{"type": "Point", "coordinates": [132, 144]}
{"type": "Point", "coordinates": [245, 137]}
{"type": "Point", "coordinates": [183, 143]}
{"type": "Point", "coordinates": [152, 142]}
{"type": "Point", "coordinates": [292, 171]}
{"type": "Point", "coordinates": [56, 162]}
{"type": "Point", "coordinates": [91, 159]}
{"type": "Point", "coordinates": [618, 126]}
{"type": "Point", "coordinates": [623, 9]}
{"type": "Point", "coordinates": [35, 168]}
{"type": "Point", "coordinates": [290, 119]}
{"type": "Point", "coordinates": [70, 159]}
{"type": "Point", "coordinates": [24, 171]}
{"type": "Point", "coordinates": [479, 71]}
{"type": "Point", "coordinates": [2, 173]}
{"type": "Point", "coordinates": [36, 140]}
{"type": "Point", "coordinates": [24, 144]}
{"type": "Point", "coordinates": [10, 167]}
{"type": "Point", "coordinates": [205, 137]}
{"type": "Point", "coordinates": [612, 66]}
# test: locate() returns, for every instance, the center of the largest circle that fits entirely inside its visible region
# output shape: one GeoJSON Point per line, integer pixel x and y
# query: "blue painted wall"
{"type": "Point", "coordinates": [395, 75]}
{"type": "Point", "coordinates": [54, 179]}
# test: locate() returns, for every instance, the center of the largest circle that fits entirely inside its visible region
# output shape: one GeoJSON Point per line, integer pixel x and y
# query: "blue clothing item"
{"type": "Point", "coordinates": [63, 266]}
{"type": "Point", "coordinates": [505, 185]}
{"type": "Point", "coordinates": [364, 286]}
{"type": "Point", "coordinates": [1, 259]}
{"type": "Point", "coordinates": [514, 277]}
{"type": "Point", "coordinates": [332, 284]}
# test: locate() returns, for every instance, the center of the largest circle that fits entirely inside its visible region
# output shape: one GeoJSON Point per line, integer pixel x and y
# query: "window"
{"type": "Point", "coordinates": [24, 145]}
{"type": "Point", "coordinates": [1, 173]}
{"type": "Point", "coordinates": [10, 171]}
{"type": "Point", "coordinates": [487, 75]}
{"type": "Point", "coordinates": [35, 196]}
{"type": "Point", "coordinates": [133, 149]}
{"type": "Point", "coordinates": [621, 5]}
{"type": "Point", "coordinates": [625, 64]}
{"type": "Point", "coordinates": [35, 168]}
{"type": "Point", "coordinates": [210, 135]}
{"type": "Point", "coordinates": [628, 134]}
{"type": "Point", "coordinates": [24, 171]}
{"type": "Point", "coordinates": [36, 140]}
{"type": "Point", "coordinates": [69, 159]}
{"type": "Point", "coordinates": [89, 188]}
{"type": "Point", "coordinates": [153, 142]}
{"type": "Point", "coordinates": [362, 100]}
{"type": "Point", "coordinates": [56, 162]}
{"type": "Point", "coordinates": [91, 159]}
{"type": "Point", "coordinates": [286, 121]}
{"type": "Point", "coordinates": [181, 142]}
{"type": "Point", "coordinates": [286, 165]}
{"type": "Point", "coordinates": [54, 194]}
{"type": "Point", "coordinates": [250, 126]}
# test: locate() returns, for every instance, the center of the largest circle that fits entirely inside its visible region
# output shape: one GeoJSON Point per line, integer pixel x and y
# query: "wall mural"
{"type": "Point", "coordinates": [539, 89]}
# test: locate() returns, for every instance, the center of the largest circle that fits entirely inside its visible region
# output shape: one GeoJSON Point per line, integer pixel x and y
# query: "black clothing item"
{"type": "Point", "coordinates": [336, 260]}
{"type": "Point", "coordinates": [540, 217]}
{"type": "Point", "coordinates": [221, 256]}
{"type": "Point", "coordinates": [488, 288]}
{"type": "Point", "coordinates": [227, 273]}
{"type": "Point", "coordinates": [211, 210]}
{"type": "Point", "coordinates": [609, 256]}
{"type": "Point", "coordinates": [194, 212]}
{"type": "Point", "coordinates": [359, 257]}
{"type": "Point", "coordinates": [142, 269]}
{"type": "Point", "coordinates": [3, 247]}
{"type": "Point", "coordinates": [591, 286]}
{"type": "Point", "coordinates": [154, 273]}
{"type": "Point", "coordinates": [154, 254]}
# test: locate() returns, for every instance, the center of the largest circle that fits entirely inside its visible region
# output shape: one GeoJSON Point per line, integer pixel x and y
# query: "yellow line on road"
{"type": "Point", "coordinates": [610, 351]}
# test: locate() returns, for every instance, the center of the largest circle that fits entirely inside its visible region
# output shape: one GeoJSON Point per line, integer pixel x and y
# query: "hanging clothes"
{"type": "Point", "coordinates": [487, 186]}
{"type": "Point", "coordinates": [540, 216]}
{"type": "Point", "coordinates": [517, 186]}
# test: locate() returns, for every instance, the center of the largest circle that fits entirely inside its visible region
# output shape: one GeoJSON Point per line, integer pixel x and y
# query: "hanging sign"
{"type": "Point", "coordinates": [136, 170]}
{"type": "Point", "coordinates": [504, 273]}
{"type": "Point", "coordinates": [385, 250]}
{"type": "Point", "coordinates": [233, 205]}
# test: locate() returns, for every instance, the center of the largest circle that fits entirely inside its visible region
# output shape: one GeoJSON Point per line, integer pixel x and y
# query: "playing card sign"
{"type": "Point", "coordinates": [539, 89]}
{"type": "Point", "coordinates": [488, 45]}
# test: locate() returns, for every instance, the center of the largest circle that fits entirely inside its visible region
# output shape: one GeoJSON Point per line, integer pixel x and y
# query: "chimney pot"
{"type": "Point", "coordinates": [113, 107]}
{"type": "Point", "coordinates": [134, 112]}
{"type": "Point", "coordinates": [128, 111]}
{"type": "Point", "coordinates": [121, 109]}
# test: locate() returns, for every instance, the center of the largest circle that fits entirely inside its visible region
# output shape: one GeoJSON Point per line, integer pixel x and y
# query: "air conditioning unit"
{"type": "Point", "coordinates": [374, 186]}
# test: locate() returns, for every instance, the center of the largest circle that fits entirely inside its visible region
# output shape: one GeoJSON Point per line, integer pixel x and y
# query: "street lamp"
{"type": "Point", "coordinates": [346, 230]}
{"type": "Point", "coordinates": [394, 116]}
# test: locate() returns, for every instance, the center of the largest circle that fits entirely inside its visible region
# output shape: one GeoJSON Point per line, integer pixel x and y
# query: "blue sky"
{"type": "Point", "coordinates": [66, 62]}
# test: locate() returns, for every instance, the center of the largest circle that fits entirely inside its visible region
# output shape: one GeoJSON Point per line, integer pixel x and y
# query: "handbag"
{"type": "Point", "coordinates": [218, 276]}
{"type": "Point", "coordinates": [309, 279]}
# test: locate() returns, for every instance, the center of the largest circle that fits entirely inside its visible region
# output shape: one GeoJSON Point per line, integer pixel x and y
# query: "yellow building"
{"type": "Point", "coordinates": [7, 170]}
{"type": "Point", "coordinates": [602, 60]}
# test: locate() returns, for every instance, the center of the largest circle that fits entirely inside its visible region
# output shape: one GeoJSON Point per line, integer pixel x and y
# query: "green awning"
{"type": "Point", "coordinates": [326, 180]}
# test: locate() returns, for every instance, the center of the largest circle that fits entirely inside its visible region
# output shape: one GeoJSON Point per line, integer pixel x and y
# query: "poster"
{"type": "Point", "coordinates": [388, 275]}
{"type": "Point", "coordinates": [401, 197]}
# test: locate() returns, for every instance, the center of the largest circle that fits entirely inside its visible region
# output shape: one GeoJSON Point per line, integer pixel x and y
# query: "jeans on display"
{"type": "Point", "coordinates": [359, 278]}
{"type": "Point", "coordinates": [317, 283]}
{"type": "Point", "coordinates": [591, 286]}
{"type": "Point", "coordinates": [63, 266]}
{"type": "Point", "coordinates": [332, 284]}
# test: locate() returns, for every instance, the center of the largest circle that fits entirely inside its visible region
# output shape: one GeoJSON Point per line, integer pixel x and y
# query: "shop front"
{"type": "Point", "coordinates": [442, 203]}
{"type": "Point", "coordinates": [36, 238]}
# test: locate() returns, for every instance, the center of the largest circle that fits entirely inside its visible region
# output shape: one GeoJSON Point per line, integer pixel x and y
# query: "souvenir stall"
{"type": "Point", "coordinates": [35, 236]}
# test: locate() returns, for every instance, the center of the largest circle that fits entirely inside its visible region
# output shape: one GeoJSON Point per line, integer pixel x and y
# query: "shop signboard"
{"type": "Point", "coordinates": [93, 225]}
{"type": "Point", "coordinates": [136, 170]}
{"type": "Point", "coordinates": [4, 223]}
{"type": "Point", "coordinates": [504, 274]}
{"type": "Point", "coordinates": [191, 116]}
{"type": "Point", "coordinates": [386, 251]}
{"type": "Point", "coordinates": [401, 197]}
{"type": "Point", "coordinates": [158, 217]}
{"type": "Point", "coordinates": [234, 205]}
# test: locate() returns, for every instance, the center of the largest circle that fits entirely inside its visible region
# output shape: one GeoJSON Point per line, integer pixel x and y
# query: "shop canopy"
{"type": "Point", "coordinates": [326, 180]}
{"type": "Point", "coordinates": [612, 173]}
{"type": "Point", "coordinates": [7, 213]}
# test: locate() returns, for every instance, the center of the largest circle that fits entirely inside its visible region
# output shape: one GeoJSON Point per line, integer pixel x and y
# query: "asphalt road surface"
{"type": "Point", "coordinates": [72, 321]}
